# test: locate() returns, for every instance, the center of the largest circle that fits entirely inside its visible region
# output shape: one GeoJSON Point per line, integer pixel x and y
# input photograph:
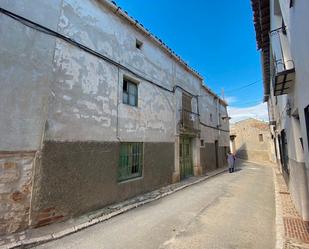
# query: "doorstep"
{"type": "Point", "coordinates": [36, 236]}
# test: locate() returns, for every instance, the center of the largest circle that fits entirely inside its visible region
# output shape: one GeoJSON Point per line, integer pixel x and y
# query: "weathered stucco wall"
{"type": "Point", "coordinates": [297, 100]}
{"type": "Point", "coordinates": [208, 157]}
{"type": "Point", "coordinates": [26, 58]}
{"type": "Point", "coordinates": [74, 178]}
{"type": "Point", "coordinates": [25, 73]}
{"type": "Point", "coordinates": [247, 143]}
{"type": "Point", "coordinates": [88, 91]}
{"type": "Point", "coordinates": [65, 106]}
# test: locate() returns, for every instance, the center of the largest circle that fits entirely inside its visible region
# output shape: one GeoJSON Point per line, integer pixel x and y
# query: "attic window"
{"type": "Point", "coordinates": [138, 44]}
{"type": "Point", "coordinates": [202, 143]}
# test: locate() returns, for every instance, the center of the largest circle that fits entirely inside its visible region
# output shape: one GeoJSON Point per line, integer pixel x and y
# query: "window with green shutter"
{"type": "Point", "coordinates": [130, 161]}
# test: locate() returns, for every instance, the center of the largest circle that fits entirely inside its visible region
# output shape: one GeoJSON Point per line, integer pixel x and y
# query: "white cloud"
{"type": "Point", "coordinates": [258, 111]}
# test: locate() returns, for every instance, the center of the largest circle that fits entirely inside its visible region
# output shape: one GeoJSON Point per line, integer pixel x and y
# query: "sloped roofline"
{"type": "Point", "coordinates": [261, 19]}
{"type": "Point", "coordinates": [135, 23]}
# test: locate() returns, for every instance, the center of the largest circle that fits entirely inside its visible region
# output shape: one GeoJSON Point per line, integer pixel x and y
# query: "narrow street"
{"type": "Point", "coordinates": [228, 211]}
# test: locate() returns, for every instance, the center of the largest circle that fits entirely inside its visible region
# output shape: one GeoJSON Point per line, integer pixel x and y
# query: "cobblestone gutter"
{"type": "Point", "coordinates": [292, 232]}
{"type": "Point", "coordinates": [41, 235]}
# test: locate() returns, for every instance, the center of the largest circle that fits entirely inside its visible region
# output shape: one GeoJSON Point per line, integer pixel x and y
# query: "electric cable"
{"type": "Point", "coordinates": [244, 86]}
{"type": "Point", "coordinates": [48, 31]}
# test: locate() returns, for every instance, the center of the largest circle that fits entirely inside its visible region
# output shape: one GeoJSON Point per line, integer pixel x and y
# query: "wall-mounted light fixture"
{"type": "Point", "coordinates": [226, 118]}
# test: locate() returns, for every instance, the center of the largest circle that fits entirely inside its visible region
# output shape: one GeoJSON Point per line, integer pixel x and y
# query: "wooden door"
{"type": "Point", "coordinates": [185, 157]}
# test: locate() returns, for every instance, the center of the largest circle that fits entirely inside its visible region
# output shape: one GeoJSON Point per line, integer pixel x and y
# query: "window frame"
{"type": "Point", "coordinates": [128, 160]}
{"type": "Point", "coordinates": [306, 110]}
{"type": "Point", "coordinates": [138, 44]}
{"type": "Point", "coordinates": [126, 92]}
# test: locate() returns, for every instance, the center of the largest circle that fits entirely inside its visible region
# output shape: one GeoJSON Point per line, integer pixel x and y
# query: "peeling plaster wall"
{"type": "Point", "coordinates": [83, 101]}
{"type": "Point", "coordinates": [26, 74]}
{"type": "Point", "coordinates": [209, 106]}
{"type": "Point", "coordinates": [247, 142]}
{"type": "Point", "coordinates": [55, 93]}
{"type": "Point", "coordinates": [87, 92]}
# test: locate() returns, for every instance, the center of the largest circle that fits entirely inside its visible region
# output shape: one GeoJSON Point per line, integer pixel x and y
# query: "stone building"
{"type": "Point", "coordinates": [282, 37]}
{"type": "Point", "coordinates": [94, 110]}
{"type": "Point", "coordinates": [251, 140]}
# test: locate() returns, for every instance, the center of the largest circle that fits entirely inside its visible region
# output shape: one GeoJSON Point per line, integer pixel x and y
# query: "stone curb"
{"type": "Point", "coordinates": [28, 243]}
{"type": "Point", "coordinates": [280, 239]}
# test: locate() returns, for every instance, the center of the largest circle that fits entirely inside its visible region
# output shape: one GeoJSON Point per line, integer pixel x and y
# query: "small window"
{"type": "Point", "coordinates": [210, 117]}
{"type": "Point", "coordinates": [301, 142]}
{"type": "Point", "coordinates": [261, 139]}
{"type": "Point", "coordinates": [202, 143]}
{"type": "Point", "coordinates": [130, 161]}
{"type": "Point", "coordinates": [129, 95]}
{"type": "Point", "coordinates": [307, 122]}
{"type": "Point", "coordinates": [138, 44]}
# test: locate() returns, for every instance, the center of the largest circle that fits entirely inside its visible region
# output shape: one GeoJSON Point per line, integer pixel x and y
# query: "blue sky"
{"type": "Point", "coordinates": [216, 38]}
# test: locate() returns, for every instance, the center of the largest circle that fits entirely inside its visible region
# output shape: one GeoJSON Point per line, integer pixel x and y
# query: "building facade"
{"type": "Point", "coordinates": [251, 140]}
{"type": "Point", "coordinates": [94, 110]}
{"type": "Point", "coordinates": [283, 37]}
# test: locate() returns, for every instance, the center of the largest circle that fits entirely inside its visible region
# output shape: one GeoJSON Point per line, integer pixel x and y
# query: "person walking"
{"type": "Point", "coordinates": [234, 163]}
{"type": "Point", "coordinates": [230, 161]}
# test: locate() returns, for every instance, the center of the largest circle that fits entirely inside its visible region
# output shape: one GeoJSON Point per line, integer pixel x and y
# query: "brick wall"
{"type": "Point", "coordinates": [15, 190]}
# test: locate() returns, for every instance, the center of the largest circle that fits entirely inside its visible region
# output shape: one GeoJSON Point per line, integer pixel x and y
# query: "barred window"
{"type": "Point", "coordinates": [130, 161]}
{"type": "Point", "coordinates": [129, 95]}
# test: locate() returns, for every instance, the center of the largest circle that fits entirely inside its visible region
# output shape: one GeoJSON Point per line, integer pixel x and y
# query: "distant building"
{"type": "Point", "coordinates": [94, 110]}
{"type": "Point", "coordinates": [283, 36]}
{"type": "Point", "coordinates": [251, 140]}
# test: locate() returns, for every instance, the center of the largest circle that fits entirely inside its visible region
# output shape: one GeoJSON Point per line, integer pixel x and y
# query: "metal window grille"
{"type": "Point", "coordinates": [129, 95]}
{"type": "Point", "coordinates": [130, 161]}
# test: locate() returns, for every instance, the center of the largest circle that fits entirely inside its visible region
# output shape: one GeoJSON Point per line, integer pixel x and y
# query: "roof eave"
{"type": "Point", "coordinates": [261, 19]}
{"type": "Point", "coordinates": [118, 11]}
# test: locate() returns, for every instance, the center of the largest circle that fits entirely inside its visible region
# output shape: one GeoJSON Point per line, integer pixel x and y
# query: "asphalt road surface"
{"type": "Point", "coordinates": [227, 211]}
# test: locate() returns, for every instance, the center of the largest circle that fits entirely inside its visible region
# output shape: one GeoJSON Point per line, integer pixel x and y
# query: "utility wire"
{"type": "Point", "coordinates": [71, 41]}
{"type": "Point", "coordinates": [251, 102]}
{"type": "Point", "coordinates": [244, 86]}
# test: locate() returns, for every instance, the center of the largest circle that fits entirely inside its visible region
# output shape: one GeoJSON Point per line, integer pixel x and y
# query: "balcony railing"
{"type": "Point", "coordinates": [284, 68]}
{"type": "Point", "coordinates": [189, 121]}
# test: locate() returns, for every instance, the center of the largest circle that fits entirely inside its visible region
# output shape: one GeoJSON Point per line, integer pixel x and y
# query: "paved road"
{"type": "Point", "coordinates": [228, 211]}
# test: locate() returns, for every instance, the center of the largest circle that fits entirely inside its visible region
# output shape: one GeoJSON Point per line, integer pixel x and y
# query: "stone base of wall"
{"type": "Point", "coordinates": [15, 190]}
{"type": "Point", "coordinates": [208, 157]}
{"type": "Point", "coordinates": [222, 156]}
{"type": "Point", "coordinates": [77, 177]}
{"type": "Point", "coordinates": [254, 156]}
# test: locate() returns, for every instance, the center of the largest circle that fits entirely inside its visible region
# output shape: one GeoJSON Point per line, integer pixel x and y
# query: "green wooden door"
{"type": "Point", "coordinates": [185, 157]}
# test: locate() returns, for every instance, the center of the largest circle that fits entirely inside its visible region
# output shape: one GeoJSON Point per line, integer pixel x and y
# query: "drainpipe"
{"type": "Point", "coordinates": [117, 112]}
{"type": "Point", "coordinates": [218, 118]}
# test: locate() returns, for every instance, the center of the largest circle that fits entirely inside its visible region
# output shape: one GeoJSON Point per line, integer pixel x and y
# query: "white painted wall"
{"type": "Point", "coordinates": [296, 19]}
{"type": "Point", "coordinates": [26, 58]}
{"type": "Point", "coordinates": [80, 95]}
